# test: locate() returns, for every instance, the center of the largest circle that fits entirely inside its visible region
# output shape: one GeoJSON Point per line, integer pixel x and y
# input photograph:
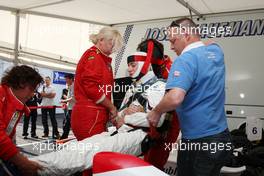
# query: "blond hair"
{"type": "Point", "coordinates": [108, 33]}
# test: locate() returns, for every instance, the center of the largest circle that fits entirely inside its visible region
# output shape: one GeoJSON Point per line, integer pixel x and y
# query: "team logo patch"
{"type": "Point", "coordinates": [91, 58]}
{"type": "Point", "coordinates": [177, 73]}
{"type": "Point", "coordinates": [211, 55]}
{"type": "Point", "coordinates": [12, 123]}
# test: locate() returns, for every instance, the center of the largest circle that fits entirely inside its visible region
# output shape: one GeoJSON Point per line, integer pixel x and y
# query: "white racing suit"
{"type": "Point", "coordinates": [78, 156]}
{"type": "Point", "coordinates": [146, 93]}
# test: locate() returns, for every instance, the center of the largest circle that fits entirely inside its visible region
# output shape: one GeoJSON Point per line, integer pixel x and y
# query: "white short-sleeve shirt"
{"type": "Point", "coordinates": [48, 101]}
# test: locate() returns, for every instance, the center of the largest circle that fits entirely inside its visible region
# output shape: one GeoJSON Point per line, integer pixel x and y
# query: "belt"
{"type": "Point", "coordinates": [90, 105]}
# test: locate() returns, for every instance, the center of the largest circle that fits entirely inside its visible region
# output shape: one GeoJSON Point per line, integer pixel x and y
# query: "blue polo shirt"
{"type": "Point", "coordinates": [200, 72]}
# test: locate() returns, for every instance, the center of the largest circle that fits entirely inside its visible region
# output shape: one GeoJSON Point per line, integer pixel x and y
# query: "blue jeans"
{"type": "Point", "coordinates": [204, 156]}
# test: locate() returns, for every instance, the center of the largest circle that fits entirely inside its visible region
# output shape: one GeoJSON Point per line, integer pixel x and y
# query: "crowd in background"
{"type": "Point", "coordinates": [44, 100]}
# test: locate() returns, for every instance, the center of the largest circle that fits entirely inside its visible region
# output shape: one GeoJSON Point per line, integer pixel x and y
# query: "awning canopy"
{"type": "Point", "coordinates": [104, 12]}
{"type": "Point", "coordinates": [109, 12]}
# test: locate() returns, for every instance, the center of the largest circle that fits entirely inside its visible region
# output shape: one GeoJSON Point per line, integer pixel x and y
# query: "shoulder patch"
{"type": "Point", "coordinates": [177, 73]}
{"type": "Point", "coordinates": [91, 57]}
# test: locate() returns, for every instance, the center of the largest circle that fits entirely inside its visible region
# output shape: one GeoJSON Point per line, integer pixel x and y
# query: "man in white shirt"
{"type": "Point", "coordinates": [48, 93]}
{"type": "Point", "coordinates": [70, 100]}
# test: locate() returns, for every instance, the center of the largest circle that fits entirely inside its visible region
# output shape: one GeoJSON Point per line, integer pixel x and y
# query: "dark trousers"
{"type": "Point", "coordinates": [204, 156]}
{"type": "Point", "coordinates": [53, 120]}
{"type": "Point", "coordinates": [66, 125]}
{"type": "Point", "coordinates": [8, 169]}
{"type": "Point", "coordinates": [33, 116]}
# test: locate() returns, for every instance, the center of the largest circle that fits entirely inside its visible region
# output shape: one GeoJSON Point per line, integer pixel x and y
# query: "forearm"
{"type": "Point", "coordinates": [140, 119]}
{"type": "Point", "coordinates": [93, 91]}
{"type": "Point", "coordinates": [48, 95]}
{"type": "Point", "coordinates": [66, 100]}
{"type": "Point", "coordinates": [165, 105]}
{"type": "Point", "coordinates": [18, 159]}
{"type": "Point", "coordinates": [171, 100]}
{"type": "Point", "coordinates": [107, 103]}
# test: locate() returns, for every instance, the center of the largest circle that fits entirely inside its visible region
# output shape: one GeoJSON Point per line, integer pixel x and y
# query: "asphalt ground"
{"type": "Point", "coordinates": [34, 147]}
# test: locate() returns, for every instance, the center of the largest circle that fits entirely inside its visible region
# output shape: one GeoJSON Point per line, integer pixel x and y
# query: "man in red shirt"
{"type": "Point", "coordinates": [17, 86]}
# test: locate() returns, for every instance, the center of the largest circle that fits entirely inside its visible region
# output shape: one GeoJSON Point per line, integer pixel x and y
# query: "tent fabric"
{"type": "Point", "coordinates": [124, 11]}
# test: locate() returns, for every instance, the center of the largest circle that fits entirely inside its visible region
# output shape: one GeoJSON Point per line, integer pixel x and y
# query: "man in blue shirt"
{"type": "Point", "coordinates": [196, 89]}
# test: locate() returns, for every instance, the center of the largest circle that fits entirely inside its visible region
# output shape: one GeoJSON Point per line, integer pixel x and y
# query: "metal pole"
{"type": "Point", "coordinates": [185, 4]}
{"type": "Point", "coordinates": [16, 51]}
{"type": "Point", "coordinates": [190, 13]}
